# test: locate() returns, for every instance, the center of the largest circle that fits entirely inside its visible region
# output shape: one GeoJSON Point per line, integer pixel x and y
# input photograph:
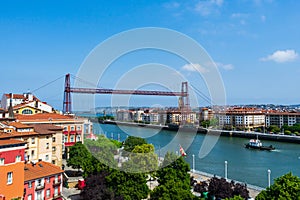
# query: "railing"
{"type": "Point", "coordinates": [67, 144]}
{"type": "Point", "coordinates": [39, 187]}
{"type": "Point", "coordinates": [56, 182]}
{"type": "Point", "coordinates": [65, 132]}
{"type": "Point", "coordinates": [78, 132]}
{"type": "Point", "coordinates": [56, 195]}
{"type": "Point", "coordinates": [72, 132]}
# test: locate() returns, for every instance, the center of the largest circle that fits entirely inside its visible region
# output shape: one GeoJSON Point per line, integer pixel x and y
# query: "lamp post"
{"type": "Point", "coordinates": [226, 169]}
{"type": "Point", "coordinates": [193, 163]}
{"type": "Point", "coordinates": [269, 177]}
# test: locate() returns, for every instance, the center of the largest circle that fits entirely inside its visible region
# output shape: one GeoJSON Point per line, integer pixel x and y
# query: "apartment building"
{"type": "Point", "coordinates": [74, 128]}
{"type": "Point", "coordinates": [11, 169]}
{"type": "Point", "coordinates": [241, 118]}
{"type": "Point", "coordinates": [42, 181]}
{"type": "Point", "coordinates": [280, 118]}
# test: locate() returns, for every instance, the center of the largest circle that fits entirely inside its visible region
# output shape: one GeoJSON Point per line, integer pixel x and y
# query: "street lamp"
{"type": "Point", "coordinates": [193, 163]}
{"type": "Point", "coordinates": [269, 177]}
{"type": "Point", "coordinates": [226, 169]}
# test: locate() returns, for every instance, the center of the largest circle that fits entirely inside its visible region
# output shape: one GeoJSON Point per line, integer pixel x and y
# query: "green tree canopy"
{"type": "Point", "coordinates": [128, 185]}
{"type": "Point", "coordinates": [173, 179]}
{"type": "Point", "coordinates": [133, 141]}
{"type": "Point", "coordinates": [142, 159]}
{"type": "Point", "coordinates": [286, 187]}
{"type": "Point", "coordinates": [78, 156]}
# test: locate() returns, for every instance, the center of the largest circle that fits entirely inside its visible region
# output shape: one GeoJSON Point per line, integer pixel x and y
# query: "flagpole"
{"type": "Point", "coordinates": [193, 163]}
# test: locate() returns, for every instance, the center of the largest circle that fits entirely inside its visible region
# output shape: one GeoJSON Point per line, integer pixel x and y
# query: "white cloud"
{"type": "Point", "coordinates": [281, 56]}
{"type": "Point", "coordinates": [194, 68]}
{"type": "Point", "coordinates": [207, 7]}
{"type": "Point", "coordinates": [226, 67]}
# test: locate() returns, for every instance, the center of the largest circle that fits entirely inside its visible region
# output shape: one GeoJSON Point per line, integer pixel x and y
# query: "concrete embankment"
{"type": "Point", "coordinates": [241, 134]}
{"type": "Point", "coordinates": [262, 136]}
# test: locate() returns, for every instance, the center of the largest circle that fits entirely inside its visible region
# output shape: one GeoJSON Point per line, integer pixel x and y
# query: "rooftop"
{"type": "Point", "coordinates": [40, 169]}
{"type": "Point", "coordinates": [8, 143]}
{"type": "Point", "coordinates": [46, 128]}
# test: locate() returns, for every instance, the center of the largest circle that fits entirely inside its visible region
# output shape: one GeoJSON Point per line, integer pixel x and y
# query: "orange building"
{"type": "Point", "coordinates": [11, 169]}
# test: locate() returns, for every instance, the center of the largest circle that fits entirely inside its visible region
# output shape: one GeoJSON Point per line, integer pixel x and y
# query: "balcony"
{"type": "Point", "coordinates": [72, 132]}
{"type": "Point", "coordinates": [68, 144]}
{"type": "Point", "coordinates": [78, 132]}
{"type": "Point", "coordinates": [56, 182]}
{"type": "Point", "coordinates": [65, 132]}
{"type": "Point", "coordinates": [40, 187]}
{"type": "Point", "coordinates": [57, 196]}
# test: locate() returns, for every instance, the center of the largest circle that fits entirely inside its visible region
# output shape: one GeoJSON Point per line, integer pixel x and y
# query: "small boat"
{"type": "Point", "coordinates": [257, 144]}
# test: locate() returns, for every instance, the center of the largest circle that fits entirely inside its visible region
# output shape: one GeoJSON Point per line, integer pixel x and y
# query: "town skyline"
{"type": "Point", "coordinates": [253, 43]}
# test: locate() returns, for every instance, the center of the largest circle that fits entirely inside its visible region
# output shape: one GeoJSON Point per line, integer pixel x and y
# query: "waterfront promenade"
{"type": "Point", "coordinates": [203, 176]}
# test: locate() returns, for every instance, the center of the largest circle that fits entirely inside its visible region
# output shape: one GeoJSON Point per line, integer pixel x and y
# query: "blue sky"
{"type": "Point", "coordinates": [255, 43]}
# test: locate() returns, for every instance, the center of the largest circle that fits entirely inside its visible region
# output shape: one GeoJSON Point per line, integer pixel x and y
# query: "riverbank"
{"type": "Point", "coordinates": [240, 134]}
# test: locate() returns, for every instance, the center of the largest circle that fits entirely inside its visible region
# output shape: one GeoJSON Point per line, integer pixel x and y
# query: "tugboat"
{"type": "Point", "coordinates": [256, 144]}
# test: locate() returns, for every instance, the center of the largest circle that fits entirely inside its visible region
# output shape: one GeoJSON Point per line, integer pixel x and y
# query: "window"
{"type": "Point", "coordinates": [9, 178]}
{"type": "Point", "coordinates": [27, 112]}
{"type": "Point", "coordinates": [65, 128]}
{"type": "Point", "coordinates": [39, 183]}
{"type": "Point", "coordinates": [72, 138]}
{"type": "Point", "coordinates": [78, 138]}
{"type": "Point", "coordinates": [47, 137]}
{"type": "Point", "coordinates": [29, 184]}
{"type": "Point", "coordinates": [55, 191]}
{"type": "Point", "coordinates": [32, 140]}
{"type": "Point", "coordinates": [2, 161]}
{"type": "Point", "coordinates": [29, 197]}
{"type": "Point", "coordinates": [65, 138]}
{"type": "Point", "coordinates": [48, 193]}
{"type": "Point", "coordinates": [47, 157]}
{"type": "Point", "coordinates": [32, 153]}
{"type": "Point", "coordinates": [53, 139]}
{"type": "Point", "coordinates": [53, 162]}
{"type": "Point", "coordinates": [72, 128]}
{"type": "Point", "coordinates": [39, 195]}
{"type": "Point", "coordinates": [48, 179]}
{"type": "Point", "coordinates": [18, 158]}
{"type": "Point", "coordinates": [53, 148]}
{"type": "Point", "coordinates": [47, 145]}
{"type": "Point", "coordinates": [78, 128]}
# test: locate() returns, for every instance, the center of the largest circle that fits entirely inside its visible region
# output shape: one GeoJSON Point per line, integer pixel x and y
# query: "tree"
{"type": "Point", "coordinates": [128, 185]}
{"type": "Point", "coordinates": [220, 188]}
{"type": "Point", "coordinates": [133, 141]}
{"type": "Point", "coordinates": [96, 188]}
{"type": "Point", "coordinates": [142, 159]}
{"type": "Point", "coordinates": [173, 179]}
{"type": "Point", "coordinates": [78, 156]}
{"type": "Point", "coordinates": [274, 128]}
{"type": "Point", "coordinates": [285, 187]}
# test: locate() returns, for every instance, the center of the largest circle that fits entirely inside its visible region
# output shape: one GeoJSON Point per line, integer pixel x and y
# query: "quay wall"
{"type": "Point", "coordinates": [241, 134]}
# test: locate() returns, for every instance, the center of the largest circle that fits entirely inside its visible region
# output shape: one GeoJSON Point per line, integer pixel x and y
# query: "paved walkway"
{"type": "Point", "coordinates": [70, 193]}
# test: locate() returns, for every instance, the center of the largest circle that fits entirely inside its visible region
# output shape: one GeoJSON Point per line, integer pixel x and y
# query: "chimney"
{"type": "Point", "coordinates": [10, 108]}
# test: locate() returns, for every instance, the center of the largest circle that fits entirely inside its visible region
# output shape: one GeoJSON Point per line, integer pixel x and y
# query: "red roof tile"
{"type": "Point", "coordinates": [39, 170]}
{"type": "Point", "coordinates": [11, 141]}
{"type": "Point", "coordinates": [43, 117]}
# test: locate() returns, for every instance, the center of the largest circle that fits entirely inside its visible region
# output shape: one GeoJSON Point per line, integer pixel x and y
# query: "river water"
{"type": "Point", "coordinates": [244, 165]}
